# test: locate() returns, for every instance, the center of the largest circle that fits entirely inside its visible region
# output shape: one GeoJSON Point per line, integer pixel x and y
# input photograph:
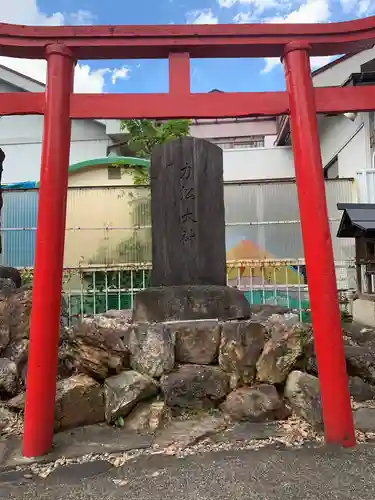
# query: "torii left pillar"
{"type": "Point", "coordinates": [46, 303]}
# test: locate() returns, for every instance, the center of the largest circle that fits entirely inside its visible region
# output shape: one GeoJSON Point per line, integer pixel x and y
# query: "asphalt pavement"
{"type": "Point", "coordinates": [268, 474]}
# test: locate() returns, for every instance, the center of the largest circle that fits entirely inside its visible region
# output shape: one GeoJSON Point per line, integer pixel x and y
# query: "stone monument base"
{"type": "Point", "coordinates": [190, 302]}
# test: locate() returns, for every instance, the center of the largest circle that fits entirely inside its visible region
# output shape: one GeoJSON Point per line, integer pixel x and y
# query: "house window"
{"type": "Point", "coordinates": [114, 173]}
{"type": "Point", "coordinates": [249, 142]}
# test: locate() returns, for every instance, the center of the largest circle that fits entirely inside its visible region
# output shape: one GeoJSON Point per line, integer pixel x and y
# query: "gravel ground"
{"type": "Point", "coordinates": [290, 463]}
{"type": "Point", "coordinates": [293, 433]}
{"type": "Point", "coordinates": [269, 473]}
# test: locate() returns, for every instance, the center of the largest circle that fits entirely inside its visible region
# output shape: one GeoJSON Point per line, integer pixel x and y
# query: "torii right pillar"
{"type": "Point", "coordinates": [326, 318]}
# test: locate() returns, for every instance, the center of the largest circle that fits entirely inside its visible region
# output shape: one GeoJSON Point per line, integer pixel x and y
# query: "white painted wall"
{"type": "Point", "coordinates": [349, 141]}
{"type": "Point", "coordinates": [17, 81]}
{"type": "Point", "coordinates": [228, 127]}
{"type": "Point", "coordinates": [346, 140]}
{"type": "Point", "coordinates": [98, 176]}
{"type": "Point", "coordinates": [339, 137]}
{"type": "Point", "coordinates": [339, 73]}
{"type": "Point", "coordinates": [258, 163]}
{"type": "Point", "coordinates": [21, 136]}
{"type": "Point", "coordinates": [269, 141]}
{"type": "Point", "coordinates": [21, 140]}
{"type": "Point", "coordinates": [351, 158]}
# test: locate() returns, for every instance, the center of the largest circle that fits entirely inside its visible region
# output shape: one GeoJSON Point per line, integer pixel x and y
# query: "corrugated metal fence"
{"type": "Point", "coordinates": [108, 243]}
{"type": "Point", "coordinates": [19, 216]}
{"type": "Point", "coordinates": [110, 226]}
{"type": "Point", "coordinates": [267, 214]}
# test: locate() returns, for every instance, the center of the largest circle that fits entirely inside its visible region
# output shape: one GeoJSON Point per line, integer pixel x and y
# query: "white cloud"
{"type": "Point", "coordinates": [315, 62]}
{"type": "Point", "coordinates": [348, 5]}
{"type": "Point", "coordinates": [27, 12]}
{"type": "Point", "coordinates": [86, 80]}
{"type": "Point", "coordinates": [312, 11]}
{"type": "Point", "coordinates": [204, 16]}
{"type": "Point", "coordinates": [80, 17]}
{"type": "Point", "coordinates": [120, 74]}
{"type": "Point", "coordinates": [243, 18]}
{"type": "Point", "coordinates": [362, 8]}
{"type": "Point", "coordinates": [257, 6]}
{"type": "Point", "coordinates": [365, 8]}
{"type": "Point", "coordinates": [226, 3]}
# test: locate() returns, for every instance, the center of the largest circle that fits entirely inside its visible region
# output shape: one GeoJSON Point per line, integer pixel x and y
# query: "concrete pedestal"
{"type": "Point", "coordinates": [191, 302]}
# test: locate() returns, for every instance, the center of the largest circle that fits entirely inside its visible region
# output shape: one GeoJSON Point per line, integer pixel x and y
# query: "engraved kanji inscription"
{"type": "Point", "coordinates": [187, 193]}
{"type": "Point", "coordinates": [186, 172]}
{"type": "Point", "coordinates": [188, 235]}
{"type": "Point", "coordinates": [187, 216]}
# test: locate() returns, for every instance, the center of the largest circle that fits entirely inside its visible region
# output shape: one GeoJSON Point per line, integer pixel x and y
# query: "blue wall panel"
{"type": "Point", "coordinates": [18, 227]}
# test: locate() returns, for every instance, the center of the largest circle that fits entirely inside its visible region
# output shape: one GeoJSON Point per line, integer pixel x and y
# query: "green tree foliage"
{"type": "Point", "coordinates": [144, 135]}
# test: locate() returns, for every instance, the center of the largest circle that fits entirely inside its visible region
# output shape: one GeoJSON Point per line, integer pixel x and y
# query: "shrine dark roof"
{"type": "Point", "coordinates": [357, 219]}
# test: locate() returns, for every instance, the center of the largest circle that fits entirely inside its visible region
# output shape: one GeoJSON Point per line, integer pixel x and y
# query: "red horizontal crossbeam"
{"type": "Point", "coordinates": [21, 103]}
{"type": "Point", "coordinates": [200, 41]}
{"type": "Point", "coordinates": [220, 105]}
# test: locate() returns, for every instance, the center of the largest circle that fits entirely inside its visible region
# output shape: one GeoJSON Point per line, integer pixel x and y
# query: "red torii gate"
{"type": "Point", "coordinates": [62, 46]}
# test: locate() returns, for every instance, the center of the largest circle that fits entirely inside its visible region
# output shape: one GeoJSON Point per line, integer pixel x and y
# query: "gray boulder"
{"type": "Point", "coordinates": [17, 351]}
{"type": "Point", "coordinates": [196, 341]}
{"type": "Point", "coordinates": [255, 404]}
{"type": "Point", "coordinates": [195, 386]}
{"type": "Point", "coordinates": [148, 416]}
{"type": "Point", "coordinates": [98, 347]}
{"type": "Point", "coordinates": [8, 377]}
{"type": "Point", "coordinates": [6, 418]}
{"type": "Point", "coordinates": [303, 393]}
{"type": "Point", "coordinates": [4, 336]}
{"type": "Point", "coordinates": [360, 390]}
{"type": "Point", "coordinates": [360, 361]}
{"type": "Point", "coordinates": [287, 345]}
{"type": "Point", "coordinates": [124, 391]}
{"type": "Point", "coordinates": [79, 401]}
{"type": "Point", "coordinates": [15, 310]}
{"type": "Point", "coordinates": [241, 345]}
{"type": "Point", "coordinates": [364, 419]}
{"type": "Point", "coordinates": [152, 349]}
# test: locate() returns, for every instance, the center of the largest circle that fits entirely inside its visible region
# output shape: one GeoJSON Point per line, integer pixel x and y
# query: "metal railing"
{"type": "Point", "coordinates": [96, 289]}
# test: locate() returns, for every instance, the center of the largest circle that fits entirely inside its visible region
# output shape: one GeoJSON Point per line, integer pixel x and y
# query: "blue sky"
{"type": "Point", "coordinates": [152, 76]}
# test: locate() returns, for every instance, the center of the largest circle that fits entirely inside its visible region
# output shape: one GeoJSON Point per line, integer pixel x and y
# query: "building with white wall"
{"type": "Point", "coordinates": [346, 141]}
{"type": "Point", "coordinates": [254, 148]}
{"type": "Point", "coordinates": [21, 136]}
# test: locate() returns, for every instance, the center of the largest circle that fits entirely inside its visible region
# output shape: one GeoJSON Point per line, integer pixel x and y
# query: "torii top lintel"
{"type": "Point", "coordinates": [179, 44]}
{"type": "Point", "coordinates": [200, 41]}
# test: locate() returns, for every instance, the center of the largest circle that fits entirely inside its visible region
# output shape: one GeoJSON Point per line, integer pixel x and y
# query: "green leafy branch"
{"type": "Point", "coordinates": [144, 135]}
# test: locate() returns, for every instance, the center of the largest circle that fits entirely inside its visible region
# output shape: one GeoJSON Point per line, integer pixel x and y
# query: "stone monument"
{"type": "Point", "coordinates": [188, 237]}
